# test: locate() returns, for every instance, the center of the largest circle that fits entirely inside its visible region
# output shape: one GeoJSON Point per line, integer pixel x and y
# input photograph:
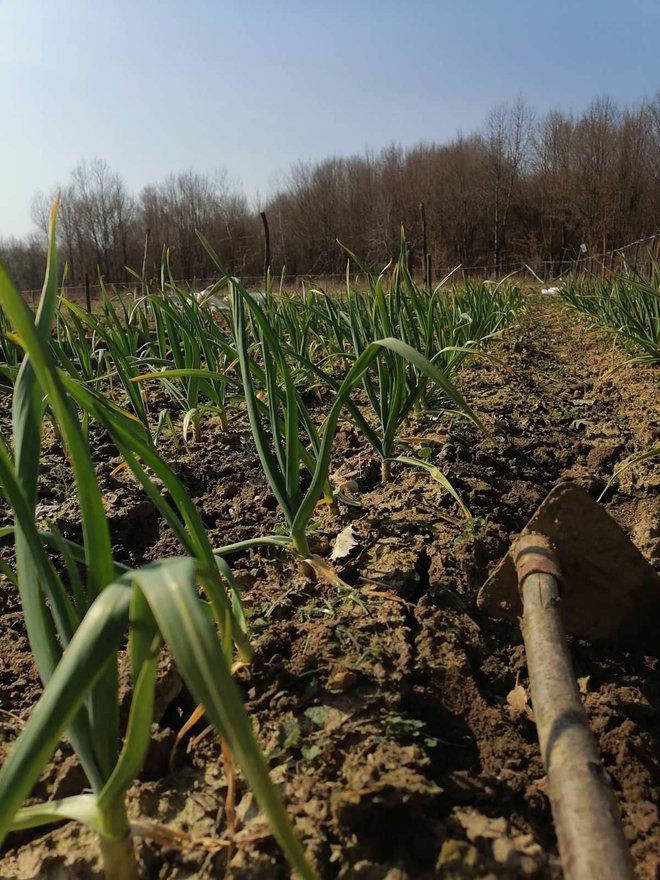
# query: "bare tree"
{"type": "Point", "coordinates": [104, 211]}
{"type": "Point", "coordinates": [516, 190]}
{"type": "Point", "coordinates": [551, 185]}
{"type": "Point", "coordinates": [183, 204]}
{"type": "Point", "coordinates": [507, 136]}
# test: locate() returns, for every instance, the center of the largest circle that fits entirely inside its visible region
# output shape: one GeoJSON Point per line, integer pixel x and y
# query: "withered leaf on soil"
{"type": "Point", "coordinates": [325, 572]}
{"type": "Point", "coordinates": [344, 543]}
{"type": "Point", "coordinates": [519, 702]}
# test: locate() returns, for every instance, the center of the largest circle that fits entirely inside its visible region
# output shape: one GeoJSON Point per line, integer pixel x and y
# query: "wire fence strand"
{"type": "Point", "coordinates": [542, 271]}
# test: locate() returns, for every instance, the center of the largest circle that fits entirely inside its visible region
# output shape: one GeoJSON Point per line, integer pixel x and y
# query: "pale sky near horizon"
{"type": "Point", "coordinates": [254, 86]}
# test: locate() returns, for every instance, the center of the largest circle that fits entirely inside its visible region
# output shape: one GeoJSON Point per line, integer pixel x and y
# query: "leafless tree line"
{"type": "Point", "coordinates": [521, 189]}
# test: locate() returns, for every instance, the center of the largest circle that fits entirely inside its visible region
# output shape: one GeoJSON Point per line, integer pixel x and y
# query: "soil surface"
{"type": "Point", "coordinates": [395, 715]}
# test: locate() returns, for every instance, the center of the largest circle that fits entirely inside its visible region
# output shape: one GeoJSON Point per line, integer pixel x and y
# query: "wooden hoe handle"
{"type": "Point", "coordinates": [592, 845]}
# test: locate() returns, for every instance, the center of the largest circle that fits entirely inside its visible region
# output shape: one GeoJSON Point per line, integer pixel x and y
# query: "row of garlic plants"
{"type": "Point", "coordinates": [627, 305]}
{"type": "Point", "coordinates": [136, 368]}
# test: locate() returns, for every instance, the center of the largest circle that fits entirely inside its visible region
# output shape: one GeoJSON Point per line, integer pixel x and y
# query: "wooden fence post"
{"type": "Point", "coordinates": [144, 258]}
{"type": "Point", "coordinates": [651, 252]}
{"type": "Point", "coordinates": [425, 250]}
{"type": "Point", "coordinates": [264, 220]}
{"type": "Point", "coordinates": [88, 298]}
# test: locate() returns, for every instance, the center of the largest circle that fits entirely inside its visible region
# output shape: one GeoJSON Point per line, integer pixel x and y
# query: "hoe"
{"type": "Point", "coordinates": [573, 570]}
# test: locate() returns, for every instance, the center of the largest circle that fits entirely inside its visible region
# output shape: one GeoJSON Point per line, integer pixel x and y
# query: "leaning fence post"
{"type": "Point", "coordinates": [651, 251]}
{"type": "Point", "coordinates": [144, 259]}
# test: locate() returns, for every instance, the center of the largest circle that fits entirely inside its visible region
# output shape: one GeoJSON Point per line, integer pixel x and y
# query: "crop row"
{"type": "Point", "coordinates": [141, 368]}
{"type": "Point", "coordinates": [627, 305]}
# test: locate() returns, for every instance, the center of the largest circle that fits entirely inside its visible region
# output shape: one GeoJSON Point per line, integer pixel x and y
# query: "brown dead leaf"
{"type": "Point", "coordinates": [583, 684]}
{"type": "Point", "coordinates": [519, 702]}
{"type": "Point", "coordinates": [175, 839]}
{"type": "Point", "coordinates": [345, 542]}
{"type": "Point", "coordinates": [325, 572]}
{"type": "Point", "coordinates": [426, 438]}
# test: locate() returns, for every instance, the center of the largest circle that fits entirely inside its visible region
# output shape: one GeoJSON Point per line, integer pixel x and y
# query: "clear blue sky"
{"type": "Point", "coordinates": [155, 86]}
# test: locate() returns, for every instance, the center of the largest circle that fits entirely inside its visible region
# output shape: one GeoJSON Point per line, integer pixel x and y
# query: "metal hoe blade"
{"type": "Point", "coordinates": [610, 592]}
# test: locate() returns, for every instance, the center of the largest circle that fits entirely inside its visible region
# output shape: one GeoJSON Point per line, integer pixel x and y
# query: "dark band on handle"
{"type": "Point", "coordinates": [534, 554]}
